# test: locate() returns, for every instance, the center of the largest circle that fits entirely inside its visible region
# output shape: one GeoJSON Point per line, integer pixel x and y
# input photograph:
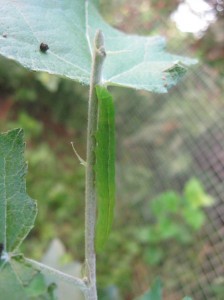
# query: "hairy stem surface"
{"type": "Point", "coordinates": [99, 55]}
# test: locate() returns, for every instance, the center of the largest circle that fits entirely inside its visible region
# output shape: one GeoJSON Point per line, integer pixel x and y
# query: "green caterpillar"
{"type": "Point", "coordinates": [105, 166]}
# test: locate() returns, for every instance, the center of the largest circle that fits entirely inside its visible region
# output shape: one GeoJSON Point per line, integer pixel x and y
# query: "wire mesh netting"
{"type": "Point", "coordinates": [163, 141]}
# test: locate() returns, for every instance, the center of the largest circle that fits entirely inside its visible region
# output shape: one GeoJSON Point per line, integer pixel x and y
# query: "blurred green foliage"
{"type": "Point", "coordinates": [155, 292]}
{"type": "Point", "coordinates": [52, 112]}
{"type": "Point", "coordinates": [218, 287]}
{"type": "Point", "coordinates": [37, 103]}
{"type": "Point", "coordinates": [174, 217]}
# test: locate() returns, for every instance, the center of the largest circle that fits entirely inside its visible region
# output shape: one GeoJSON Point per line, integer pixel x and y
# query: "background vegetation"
{"type": "Point", "coordinates": [155, 157]}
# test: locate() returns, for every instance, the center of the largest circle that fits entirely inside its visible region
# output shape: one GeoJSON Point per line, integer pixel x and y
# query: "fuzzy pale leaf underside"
{"type": "Point", "coordinates": [68, 28]}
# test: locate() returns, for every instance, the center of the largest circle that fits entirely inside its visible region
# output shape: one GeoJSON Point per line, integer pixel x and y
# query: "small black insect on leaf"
{"type": "Point", "coordinates": [1, 249]}
{"type": "Point", "coordinates": [44, 47]}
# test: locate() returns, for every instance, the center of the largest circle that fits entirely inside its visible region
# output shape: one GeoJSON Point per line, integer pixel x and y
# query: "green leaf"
{"type": "Point", "coordinates": [17, 209]}
{"type": "Point", "coordinates": [154, 255]}
{"type": "Point", "coordinates": [155, 293]}
{"type": "Point", "coordinates": [195, 194]}
{"type": "Point", "coordinates": [105, 166]}
{"type": "Point", "coordinates": [68, 28]}
{"type": "Point", "coordinates": [165, 203]}
{"type": "Point", "coordinates": [187, 298]}
{"type": "Point", "coordinates": [194, 217]}
{"type": "Point", "coordinates": [19, 280]}
{"type": "Point", "coordinates": [168, 229]}
{"type": "Point", "coordinates": [109, 293]}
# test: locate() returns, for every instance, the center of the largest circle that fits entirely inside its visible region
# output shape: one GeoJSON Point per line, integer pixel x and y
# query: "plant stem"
{"type": "Point", "coordinates": [99, 55]}
{"type": "Point", "coordinates": [58, 274]}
